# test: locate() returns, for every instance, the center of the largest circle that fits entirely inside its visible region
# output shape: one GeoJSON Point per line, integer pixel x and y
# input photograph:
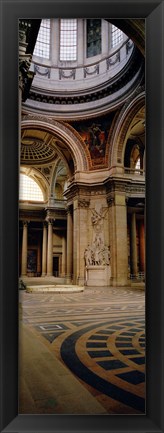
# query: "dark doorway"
{"type": "Point", "coordinates": [56, 266]}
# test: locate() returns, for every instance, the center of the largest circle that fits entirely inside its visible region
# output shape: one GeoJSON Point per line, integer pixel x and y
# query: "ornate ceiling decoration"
{"type": "Point", "coordinates": [36, 150]}
{"type": "Point", "coordinates": [107, 89]}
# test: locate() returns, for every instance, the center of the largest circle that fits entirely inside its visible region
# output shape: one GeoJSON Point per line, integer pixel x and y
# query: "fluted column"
{"type": "Point", "coordinates": [69, 243]}
{"type": "Point", "coordinates": [133, 245]}
{"type": "Point", "coordinates": [44, 250]}
{"type": "Point", "coordinates": [50, 249]}
{"type": "Point", "coordinates": [24, 248]}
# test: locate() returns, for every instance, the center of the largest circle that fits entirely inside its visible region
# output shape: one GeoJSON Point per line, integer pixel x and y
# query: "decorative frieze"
{"type": "Point", "coordinates": [83, 202]}
{"type": "Point", "coordinates": [40, 70]}
{"type": "Point", "coordinates": [112, 60]}
{"type": "Point", "coordinates": [32, 215]}
{"type": "Point", "coordinates": [110, 200]}
{"type": "Point", "coordinates": [91, 70]}
{"type": "Point", "coordinates": [67, 73]}
{"type": "Point", "coordinates": [108, 89]}
{"type": "Point", "coordinates": [123, 187]}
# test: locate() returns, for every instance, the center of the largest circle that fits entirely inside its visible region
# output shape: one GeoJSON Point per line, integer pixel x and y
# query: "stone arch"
{"type": "Point", "coordinates": [54, 175]}
{"type": "Point", "coordinates": [66, 133]}
{"type": "Point", "coordinates": [122, 125]}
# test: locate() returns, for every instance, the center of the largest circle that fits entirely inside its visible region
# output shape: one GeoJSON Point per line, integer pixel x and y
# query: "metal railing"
{"type": "Point", "coordinates": [140, 276]}
{"type": "Point", "coordinates": [128, 170]}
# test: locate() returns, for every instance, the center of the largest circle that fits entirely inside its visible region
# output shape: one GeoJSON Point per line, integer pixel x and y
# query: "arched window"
{"type": "Point", "coordinates": [29, 189]}
{"type": "Point", "coordinates": [117, 36]}
{"type": "Point", "coordinates": [68, 39]}
{"type": "Point", "coordinates": [42, 46]}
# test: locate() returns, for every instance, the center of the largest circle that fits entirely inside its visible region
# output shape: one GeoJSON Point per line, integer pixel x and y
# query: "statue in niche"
{"type": "Point", "coordinates": [97, 253]}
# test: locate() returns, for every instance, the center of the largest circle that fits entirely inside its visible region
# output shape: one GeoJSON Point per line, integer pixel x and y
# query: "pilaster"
{"type": "Point", "coordinates": [24, 248]}
{"type": "Point", "coordinates": [50, 249]}
{"type": "Point", "coordinates": [69, 244]}
{"type": "Point", "coordinates": [133, 245]}
{"type": "Point", "coordinates": [44, 250]}
{"type": "Point", "coordinates": [118, 236]}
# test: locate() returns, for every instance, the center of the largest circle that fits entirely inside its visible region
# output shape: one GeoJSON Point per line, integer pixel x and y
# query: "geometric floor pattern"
{"type": "Point", "coordinates": [99, 335]}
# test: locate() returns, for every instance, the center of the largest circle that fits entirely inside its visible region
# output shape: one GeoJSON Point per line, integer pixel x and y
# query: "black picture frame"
{"type": "Point", "coordinates": [153, 12]}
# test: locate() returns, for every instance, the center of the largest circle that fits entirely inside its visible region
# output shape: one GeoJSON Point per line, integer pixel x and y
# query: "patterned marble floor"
{"type": "Point", "coordinates": [99, 337]}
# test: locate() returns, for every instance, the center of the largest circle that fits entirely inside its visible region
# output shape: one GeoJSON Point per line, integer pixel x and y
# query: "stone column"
{"type": "Point", "coordinates": [69, 244]}
{"type": "Point", "coordinates": [142, 246]}
{"type": "Point", "coordinates": [24, 248]}
{"type": "Point", "coordinates": [133, 245]}
{"type": "Point", "coordinates": [50, 249]}
{"type": "Point", "coordinates": [39, 259]}
{"type": "Point", "coordinates": [44, 250]}
{"type": "Point", "coordinates": [64, 256]}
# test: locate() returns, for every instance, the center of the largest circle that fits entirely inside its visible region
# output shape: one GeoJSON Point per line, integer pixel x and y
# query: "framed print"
{"type": "Point", "coordinates": [80, 225]}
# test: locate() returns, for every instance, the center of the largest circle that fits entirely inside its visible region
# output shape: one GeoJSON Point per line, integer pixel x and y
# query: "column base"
{"type": "Point", "coordinates": [68, 279]}
{"type": "Point", "coordinates": [80, 281]}
{"type": "Point", "coordinates": [119, 282]}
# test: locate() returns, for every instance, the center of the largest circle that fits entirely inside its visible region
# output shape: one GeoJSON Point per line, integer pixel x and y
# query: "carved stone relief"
{"type": "Point", "coordinates": [97, 253]}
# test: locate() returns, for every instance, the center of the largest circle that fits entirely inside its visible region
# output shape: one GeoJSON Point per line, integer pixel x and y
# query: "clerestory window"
{"type": "Point", "coordinates": [42, 46]}
{"type": "Point", "coordinates": [68, 39]}
{"type": "Point", "coordinates": [116, 36]}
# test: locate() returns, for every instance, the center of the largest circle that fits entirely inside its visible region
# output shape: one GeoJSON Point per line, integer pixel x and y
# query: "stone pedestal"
{"type": "Point", "coordinates": [98, 276]}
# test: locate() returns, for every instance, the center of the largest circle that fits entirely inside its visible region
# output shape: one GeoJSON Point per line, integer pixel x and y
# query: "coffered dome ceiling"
{"type": "Point", "coordinates": [36, 146]}
{"type": "Point", "coordinates": [39, 147]}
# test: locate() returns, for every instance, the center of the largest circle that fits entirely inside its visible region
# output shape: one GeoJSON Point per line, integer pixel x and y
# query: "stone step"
{"type": "Point", "coordinates": [55, 288]}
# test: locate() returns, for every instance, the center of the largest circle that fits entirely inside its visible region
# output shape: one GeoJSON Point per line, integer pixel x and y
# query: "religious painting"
{"type": "Point", "coordinates": [95, 134]}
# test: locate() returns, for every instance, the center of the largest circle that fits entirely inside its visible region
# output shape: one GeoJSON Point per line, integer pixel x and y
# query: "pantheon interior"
{"type": "Point", "coordinates": [81, 216]}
